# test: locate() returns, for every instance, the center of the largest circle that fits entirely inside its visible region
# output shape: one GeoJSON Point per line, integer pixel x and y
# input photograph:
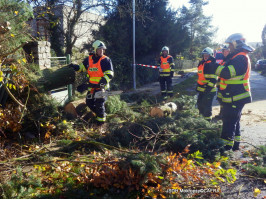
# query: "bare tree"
{"type": "Point", "coordinates": [71, 18]}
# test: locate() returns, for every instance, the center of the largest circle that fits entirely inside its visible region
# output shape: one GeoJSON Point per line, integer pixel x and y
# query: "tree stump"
{"type": "Point", "coordinates": [164, 110]}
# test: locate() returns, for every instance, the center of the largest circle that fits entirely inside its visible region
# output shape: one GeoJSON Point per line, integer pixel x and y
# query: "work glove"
{"type": "Point", "coordinates": [83, 87]}
{"type": "Point", "coordinates": [73, 66]}
{"type": "Point", "coordinates": [172, 74]}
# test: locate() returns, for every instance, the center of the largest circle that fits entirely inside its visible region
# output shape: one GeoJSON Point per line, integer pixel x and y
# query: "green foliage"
{"type": "Point", "coordinates": [194, 18]}
{"type": "Point", "coordinates": [20, 186]}
{"type": "Point", "coordinates": [185, 85]}
{"type": "Point", "coordinates": [150, 38]}
{"type": "Point", "coordinates": [120, 109]}
{"type": "Point", "coordinates": [16, 12]}
{"type": "Point", "coordinates": [257, 166]}
{"type": "Point", "coordinates": [114, 104]}
{"type": "Point", "coordinates": [184, 127]}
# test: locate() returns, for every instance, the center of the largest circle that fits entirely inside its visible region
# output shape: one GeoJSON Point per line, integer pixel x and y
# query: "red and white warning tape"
{"type": "Point", "coordinates": [151, 66]}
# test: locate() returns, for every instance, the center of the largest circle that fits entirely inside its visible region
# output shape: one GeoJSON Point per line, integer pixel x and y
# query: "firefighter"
{"type": "Point", "coordinates": [206, 83]}
{"type": "Point", "coordinates": [225, 52]}
{"type": "Point", "coordinates": [234, 91]}
{"type": "Point", "coordinates": [99, 70]}
{"type": "Point", "coordinates": [166, 72]}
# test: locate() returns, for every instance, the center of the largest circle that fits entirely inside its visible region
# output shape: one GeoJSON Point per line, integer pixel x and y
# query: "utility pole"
{"type": "Point", "coordinates": [134, 49]}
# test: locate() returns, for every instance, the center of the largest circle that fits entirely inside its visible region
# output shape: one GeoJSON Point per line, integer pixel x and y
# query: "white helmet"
{"type": "Point", "coordinates": [165, 48]}
{"type": "Point", "coordinates": [239, 42]}
{"type": "Point", "coordinates": [225, 47]}
{"type": "Point", "coordinates": [98, 44]}
{"type": "Point", "coordinates": [207, 50]}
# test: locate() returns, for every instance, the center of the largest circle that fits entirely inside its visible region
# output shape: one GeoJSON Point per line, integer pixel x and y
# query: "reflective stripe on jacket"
{"type": "Point", "coordinates": [239, 82]}
{"type": "Point", "coordinates": [165, 66]}
{"type": "Point", "coordinates": [204, 79]}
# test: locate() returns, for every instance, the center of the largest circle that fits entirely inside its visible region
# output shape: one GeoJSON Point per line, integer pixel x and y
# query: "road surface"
{"type": "Point", "coordinates": [253, 121]}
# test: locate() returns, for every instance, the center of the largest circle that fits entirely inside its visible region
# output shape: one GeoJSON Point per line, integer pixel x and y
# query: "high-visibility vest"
{"type": "Point", "coordinates": [165, 66]}
{"type": "Point", "coordinates": [220, 79]}
{"type": "Point", "coordinates": [237, 80]}
{"type": "Point", "coordinates": [95, 70]}
{"type": "Point", "coordinates": [201, 78]}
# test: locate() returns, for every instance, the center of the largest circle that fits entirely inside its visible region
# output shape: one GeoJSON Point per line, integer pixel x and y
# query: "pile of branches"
{"type": "Point", "coordinates": [170, 133]}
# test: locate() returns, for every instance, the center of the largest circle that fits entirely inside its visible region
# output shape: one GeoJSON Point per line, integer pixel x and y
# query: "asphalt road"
{"type": "Point", "coordinates": [253, 120]}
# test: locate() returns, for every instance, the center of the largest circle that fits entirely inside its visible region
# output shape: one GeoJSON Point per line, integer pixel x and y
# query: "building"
{"type": "Point", "coordinates": [88, 22]}
{"type": "Point", "coordinates": [45, 18]}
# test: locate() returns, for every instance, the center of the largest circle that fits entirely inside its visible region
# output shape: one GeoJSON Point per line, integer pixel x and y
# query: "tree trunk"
{"type": "Point", "coordinates": [59, 78]}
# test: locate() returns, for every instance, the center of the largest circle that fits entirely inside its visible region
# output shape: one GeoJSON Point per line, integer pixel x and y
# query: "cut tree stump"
{"type": "Point", "coordinates": [164, 110]}
{"type": "Point", "coordinates": [70, 111]}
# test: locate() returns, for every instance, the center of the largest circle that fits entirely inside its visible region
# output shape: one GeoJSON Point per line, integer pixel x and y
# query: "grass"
{"type": "Point", "coordinates": [187, 87]}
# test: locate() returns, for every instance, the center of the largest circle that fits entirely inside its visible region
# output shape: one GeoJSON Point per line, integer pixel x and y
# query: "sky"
{"type": "Point", "coordinates": [234, 16]}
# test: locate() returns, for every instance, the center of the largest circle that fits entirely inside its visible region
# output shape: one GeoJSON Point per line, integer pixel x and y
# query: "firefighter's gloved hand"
{"type": "Point", "coordinates": [83, 87]}
{"type": "Point", "coordinates": [172, 74]}
{"type": "Point", "coordinates": [73, 66]}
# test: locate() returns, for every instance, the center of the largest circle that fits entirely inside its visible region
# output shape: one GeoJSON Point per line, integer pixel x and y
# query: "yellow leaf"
{"type": "Point", "coordinates": [1, 79]}
{"type": "Point", "coordinates": [24, 60]}
{"type": "Point", "coordinates": [14, 87]}
{"type": "Point", "coordinates": [256, 192]}
{"type": "Point", "coordinates": [41, 125]}
{"type": "Point", "coordinates": [19, 61]}
{"type": "Point", "coordinates": [12, 35]}
{"type": "Point", "coordinates": [217, 164]}
{"type": "Point", "coordinates": [16, 12]}
{"type": "Point", "coordinates": [82, 165]}
{"type": "Point", "coordinates": [64, 121]}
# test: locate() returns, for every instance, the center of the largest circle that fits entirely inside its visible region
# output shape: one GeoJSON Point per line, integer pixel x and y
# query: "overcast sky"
{"type": "Point", "coordinates": [234, 16]}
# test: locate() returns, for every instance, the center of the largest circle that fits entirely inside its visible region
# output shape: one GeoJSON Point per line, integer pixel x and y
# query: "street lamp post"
{"type": "Point", "coordinates": [134, 43]}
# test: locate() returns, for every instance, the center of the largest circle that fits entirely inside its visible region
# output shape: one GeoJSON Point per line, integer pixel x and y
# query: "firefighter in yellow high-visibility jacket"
{"type": "Point", "coordinates": [234, 91]}
{"type": "Point", "coordinates": [206, 83]}
{"type": "Point", "coordinates": [100, 72]}
{"type": "Point", "coordinates": [166, 72]}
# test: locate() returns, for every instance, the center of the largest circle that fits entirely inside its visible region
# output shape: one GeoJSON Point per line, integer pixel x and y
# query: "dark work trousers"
{"type": "Point", "coordinates": [97, 106]}
{"type": "Point", "coordinates": [204, 104]}
{"type": "Point", "coordinates": [231, 116]}
{"type": "Point", "coordinates": [166, 86]}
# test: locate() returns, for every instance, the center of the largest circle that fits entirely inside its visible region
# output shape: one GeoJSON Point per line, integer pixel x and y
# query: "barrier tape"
{"type": "Point", "coordinates": [151, 66]}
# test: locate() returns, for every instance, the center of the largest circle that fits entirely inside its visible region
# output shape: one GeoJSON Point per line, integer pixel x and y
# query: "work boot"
{"type": "Point", "coordinates": [236, 146]}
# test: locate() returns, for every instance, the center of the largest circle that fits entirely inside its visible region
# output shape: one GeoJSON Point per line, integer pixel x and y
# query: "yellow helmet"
{"type": "Point", "coordinates": [98, 44]}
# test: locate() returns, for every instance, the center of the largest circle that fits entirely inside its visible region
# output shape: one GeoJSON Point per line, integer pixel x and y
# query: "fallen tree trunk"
{"type": "Point", "coordinates": [59, 78]}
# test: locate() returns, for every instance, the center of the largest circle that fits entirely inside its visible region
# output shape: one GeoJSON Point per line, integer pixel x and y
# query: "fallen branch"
{"type": "Point", "coordinates": [72, 161]}
{"type": "Point", "coordinates": [12, 96]}
{"type": "Point", "coordinates": [255, 177]}
{"type": "Point", "coordinates": [25, 105]}
{"type": "Point", "coordinates": [250, 144]}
